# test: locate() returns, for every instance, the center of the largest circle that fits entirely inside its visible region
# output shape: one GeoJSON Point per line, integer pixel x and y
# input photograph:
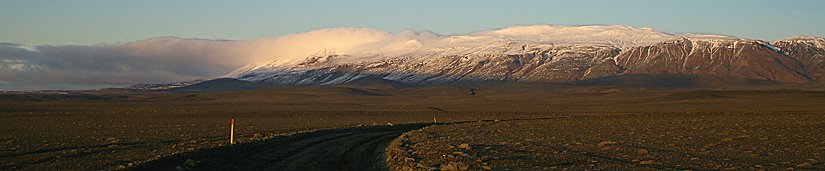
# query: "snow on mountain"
{"type": "Point", "coordinates": [510, 40]}
{"type": "Point", "coordinates": [749, 59]}
{"type": "Point", "coordinates": [612, 35]}
{"type": "Point", "coordinates": [808, 50]}
{"type": "Point", "coordinates": [817, 42]}
{"type": "Point", "coordinates": [541, 53]}
{"type": "Point", "coordinates": [533, 53]}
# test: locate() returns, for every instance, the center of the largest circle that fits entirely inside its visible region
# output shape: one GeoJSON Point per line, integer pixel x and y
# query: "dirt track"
{"type": "Point", "coordinates": [357, 148]}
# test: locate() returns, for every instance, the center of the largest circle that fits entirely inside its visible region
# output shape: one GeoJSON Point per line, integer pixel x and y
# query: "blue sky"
{"type": "Point", "coordinates": [99, 21]}
{"type": "Point", "coordinates": [66, 44]}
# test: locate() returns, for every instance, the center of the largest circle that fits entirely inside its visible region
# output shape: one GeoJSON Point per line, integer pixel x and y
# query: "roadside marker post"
{"type": "Point", "coordinates": [232, 132]}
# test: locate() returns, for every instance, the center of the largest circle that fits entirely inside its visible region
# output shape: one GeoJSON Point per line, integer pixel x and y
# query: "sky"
{"type": "Point", "coordinates": [99, 21]}
{"type": "Point", "coordinates": [49, 44]}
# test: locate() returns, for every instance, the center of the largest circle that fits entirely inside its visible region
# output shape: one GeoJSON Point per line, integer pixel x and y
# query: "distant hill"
{"type": "Point", "coordinates": [221, 84]}
{"type": "Point", "coordinates": [375, 82]}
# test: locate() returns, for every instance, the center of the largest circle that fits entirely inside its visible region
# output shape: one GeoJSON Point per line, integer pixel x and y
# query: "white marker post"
{"type": "Point", "coordinates": [232, 132]}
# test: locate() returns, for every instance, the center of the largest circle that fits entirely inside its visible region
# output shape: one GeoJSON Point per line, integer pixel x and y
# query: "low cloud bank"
{"type": "Point", "coordinates": [169, 59]}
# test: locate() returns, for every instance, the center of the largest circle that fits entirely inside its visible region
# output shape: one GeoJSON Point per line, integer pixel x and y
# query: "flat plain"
{"type": "Point", "coordinates": [505, 126]}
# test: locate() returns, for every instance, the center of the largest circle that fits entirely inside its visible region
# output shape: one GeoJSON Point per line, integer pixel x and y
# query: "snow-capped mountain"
{"type": "Point", "coordinates": [749, 59]}
{"type": "Point", "coordinates": [543, 53]}
{"type": "Point", "coordinates": [809, 51]}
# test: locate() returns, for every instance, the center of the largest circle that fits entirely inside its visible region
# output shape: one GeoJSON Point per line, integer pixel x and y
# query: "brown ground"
{"type": "Point", "coordinates": [110, 130]}
{"type": "Point", "coordinates": [667, 141]}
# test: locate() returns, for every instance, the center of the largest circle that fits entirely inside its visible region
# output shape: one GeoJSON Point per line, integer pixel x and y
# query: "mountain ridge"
{"type": "Point", "coordinates": [548, 54]}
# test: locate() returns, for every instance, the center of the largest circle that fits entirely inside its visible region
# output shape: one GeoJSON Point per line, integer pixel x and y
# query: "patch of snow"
{"type": "Point", "coordinates": [377, 46]}
{"type": "Point", "coordinates": [817, 42]}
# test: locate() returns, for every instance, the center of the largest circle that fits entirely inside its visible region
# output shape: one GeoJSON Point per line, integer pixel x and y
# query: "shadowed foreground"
{"type": "Point", "coordinates": [113, 130]}
{"type": "Point", "coordinates": [359, 148]}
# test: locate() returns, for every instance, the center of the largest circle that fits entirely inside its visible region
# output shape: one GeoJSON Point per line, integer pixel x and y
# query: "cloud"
{"type": "Point", "coordinates": [296, 47]}
{"type": "Point", "coordinates": [100, 64]}
{"type": "Point", "coordinates": [169, 59]}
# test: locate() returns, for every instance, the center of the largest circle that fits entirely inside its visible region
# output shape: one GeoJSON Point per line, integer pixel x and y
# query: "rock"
{"type": "Point", "coordinates": [605, 143]}
{"type": "Point", "coordinates": [452, 166]}
{"type": "Point", "coordinates": [647, 162]}
{"type": "Point", "coordinates": [458, 153]}
{"type": "Point", "coordinates": [390, 124]}
{"type": "Point", "coordinates": [112, 140]}
{"type": "Point", "coordinates": [462, 166]}
{"type": "Point", "coordinates": [419, 165]}
{"type": "Point", "coordinates": [484, 158]}
{"type": "Point", "coordinates": [256, 136]}
{"type": "Point", "coordinates": [642, 152]}
{"type": "Point", "coordinates": [804, 165]}
{"type": "Point", "coordinates": [486, 168]}
{"type": "Point", "coordinates": [190, 163]}
{"type": "Point", "coordinates": [408, 159]}
{"type": "Point", "coordinates": [727, 139]}
{"type": "Point", "coordinates": [120, 167]}
{"type": "Point", "coordinates": [464, 146]}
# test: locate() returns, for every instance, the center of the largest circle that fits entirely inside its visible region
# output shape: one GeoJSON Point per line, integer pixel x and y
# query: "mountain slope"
{"type": "Point", "coordinates": [731, 58]}
{"type": "Point", "coordinates": [221, 84]}
{"type": "Point", "coordinates": [548, 54]}
{"type": "Point", "coordinates": [809, 51]}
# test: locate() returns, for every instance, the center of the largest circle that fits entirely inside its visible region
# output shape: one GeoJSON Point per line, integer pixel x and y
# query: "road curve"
{"type": "Point", "coordinates": [359, 148]}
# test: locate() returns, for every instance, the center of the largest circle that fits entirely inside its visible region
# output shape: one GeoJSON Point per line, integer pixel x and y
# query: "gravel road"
{"type": "Point", "coordinates": [359, 148]}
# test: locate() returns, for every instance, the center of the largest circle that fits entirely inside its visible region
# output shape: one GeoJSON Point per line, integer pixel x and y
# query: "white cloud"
{"type": "Point", "coordinates": [174, 59]}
